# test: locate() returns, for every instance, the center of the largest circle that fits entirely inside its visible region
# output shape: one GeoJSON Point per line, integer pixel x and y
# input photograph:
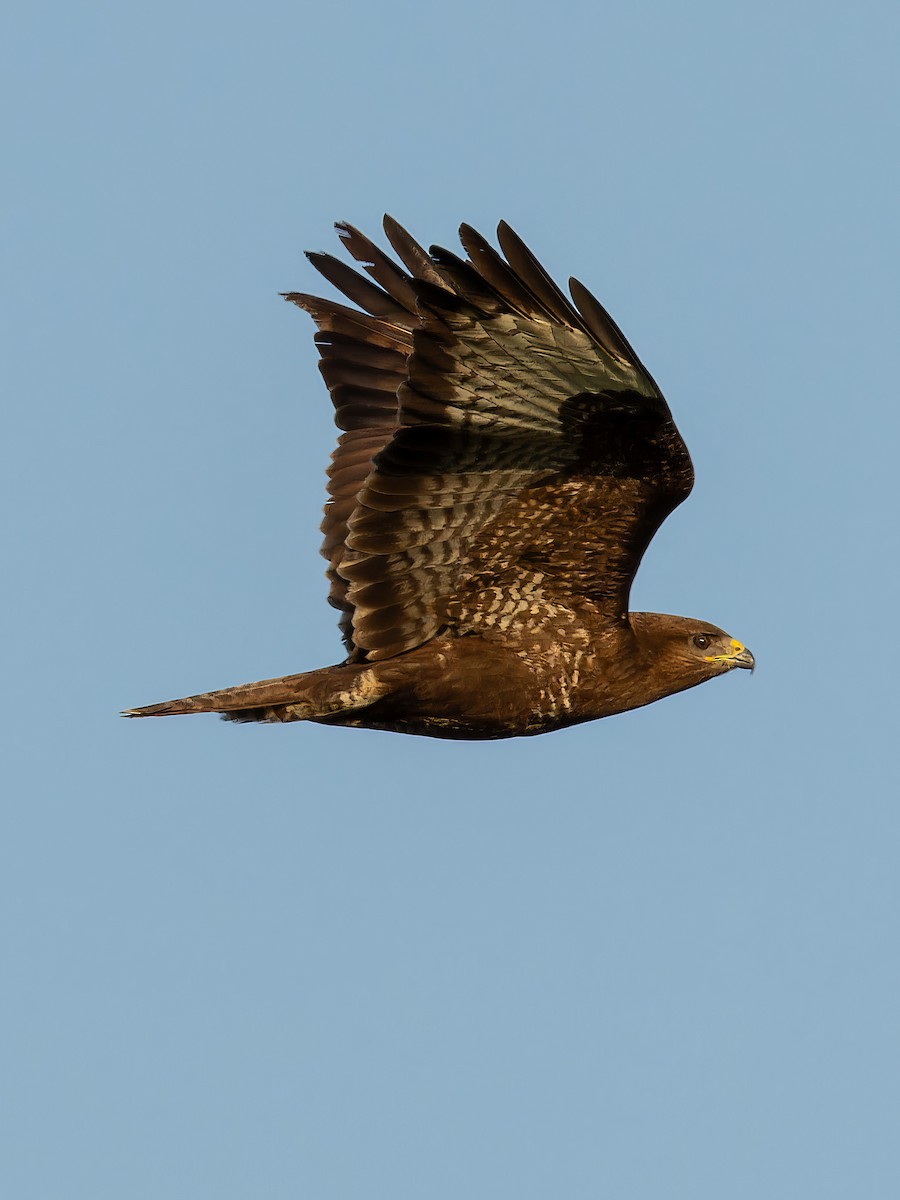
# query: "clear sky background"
{"type": "Point", "coordinates": [653, 957]}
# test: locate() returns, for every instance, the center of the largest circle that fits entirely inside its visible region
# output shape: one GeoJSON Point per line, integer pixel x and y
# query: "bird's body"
{"type": "Point", "coordinates": [504, 462]}
{"type": "Point", "coordinates": [473, 687]}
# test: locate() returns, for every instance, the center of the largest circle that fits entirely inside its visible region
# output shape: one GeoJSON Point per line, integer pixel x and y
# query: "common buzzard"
{"type": "Point", "coordinates": [503, 464]}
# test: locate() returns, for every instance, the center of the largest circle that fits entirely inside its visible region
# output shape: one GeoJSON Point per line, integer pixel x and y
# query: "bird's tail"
{"type": "Point", "coordinates": [306, 697]}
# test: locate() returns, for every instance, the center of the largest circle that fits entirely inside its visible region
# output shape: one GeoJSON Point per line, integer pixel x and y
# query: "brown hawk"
{"type": "Point", "coordinates": [504, 462]}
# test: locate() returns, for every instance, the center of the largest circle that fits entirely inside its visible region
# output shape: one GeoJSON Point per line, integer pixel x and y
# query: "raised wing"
{"type": "Point", "coordinates": [505, 451]}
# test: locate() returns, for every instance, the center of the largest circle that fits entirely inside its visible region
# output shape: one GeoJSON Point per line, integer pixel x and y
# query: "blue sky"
{"type": "Point", "coordinates": [655, 956]}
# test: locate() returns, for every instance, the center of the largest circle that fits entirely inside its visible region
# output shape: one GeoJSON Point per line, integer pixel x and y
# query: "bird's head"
{"type": "Point", "coordinates": [690, 650]}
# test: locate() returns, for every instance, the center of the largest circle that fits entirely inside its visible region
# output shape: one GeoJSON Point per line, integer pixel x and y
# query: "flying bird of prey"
{"type": "Point", "coordinates": [504, 462]}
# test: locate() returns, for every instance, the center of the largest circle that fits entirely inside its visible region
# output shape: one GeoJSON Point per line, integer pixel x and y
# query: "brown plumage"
{"type": "Point", "coordinates": [503, 464]}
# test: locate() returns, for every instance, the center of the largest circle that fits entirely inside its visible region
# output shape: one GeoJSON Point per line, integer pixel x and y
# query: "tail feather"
{"type": "Point", "coordinates": [248, 695]}
{"type": "Point", "coordinates": [301, 697]}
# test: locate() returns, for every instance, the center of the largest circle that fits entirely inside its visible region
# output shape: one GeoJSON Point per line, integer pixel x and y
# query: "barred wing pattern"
{"type": "Point", "coordinates": [504, 452]}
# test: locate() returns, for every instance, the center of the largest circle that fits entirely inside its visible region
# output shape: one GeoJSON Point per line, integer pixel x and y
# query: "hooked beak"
{"type": "Point", "coordinates": [738, 656]}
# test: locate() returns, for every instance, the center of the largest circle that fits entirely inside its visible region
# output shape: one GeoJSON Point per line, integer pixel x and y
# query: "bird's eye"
{"type": "Point", "coordinates": [701, 641]}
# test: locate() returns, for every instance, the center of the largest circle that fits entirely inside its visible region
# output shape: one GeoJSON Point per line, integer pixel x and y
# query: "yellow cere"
{"type": "Point", "coordinates": [736, 648]}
